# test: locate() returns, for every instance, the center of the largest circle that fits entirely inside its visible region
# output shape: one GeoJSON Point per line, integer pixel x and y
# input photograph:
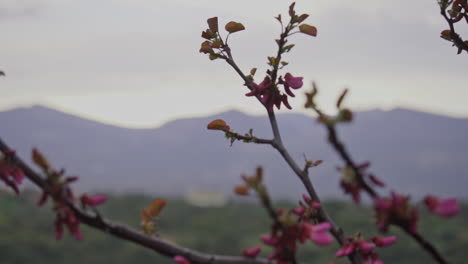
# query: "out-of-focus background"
{"type": "Point", "coordinates": [116, 92]}
{"type": "Point", "coordinates": [136, 62]}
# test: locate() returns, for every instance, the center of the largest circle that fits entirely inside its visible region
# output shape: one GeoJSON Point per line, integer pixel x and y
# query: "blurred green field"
{"type": "Point", "coordinates": [27, 232]}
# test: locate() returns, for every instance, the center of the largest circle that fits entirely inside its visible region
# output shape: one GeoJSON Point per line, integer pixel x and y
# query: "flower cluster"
{"type": "Point", "coordinates": [296, 228]}
{"type": "Point", "coordinates": [396, 210]}
{"type": "Point", "coordinates": [65, 216]}
{"type": "Point", "coordinates": [284, 239]}
{"type": "Point", "coordinates": [58, 188]}
{"type": "Point", "coordinates": [365, 248]}
{"type": "Point", "coordinates": [269, 94]}
{"type": "Point", "coordinates": [290, 227]}
{"type": "Point", "coordinates": [10, 174]}
{"type": "Point", "coordinates": [352, 183]}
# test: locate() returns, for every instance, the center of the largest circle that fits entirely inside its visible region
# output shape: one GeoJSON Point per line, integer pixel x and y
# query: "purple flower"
{"type": "Point", "coordinates": [442, 207]}
{"type": "Point", "coordinates": [252, 252]}
{"type": "Point", "coordinates": [92, 200]}
{"type": "Point", "coordinates": [293, 82]}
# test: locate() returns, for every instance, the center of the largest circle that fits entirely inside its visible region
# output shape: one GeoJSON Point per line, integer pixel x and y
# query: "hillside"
{"type": "Point", "coordinates": [413, 152]}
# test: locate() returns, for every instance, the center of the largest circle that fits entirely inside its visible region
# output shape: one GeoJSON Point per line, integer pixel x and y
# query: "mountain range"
{"type": "Point", "coordinates": [412, 152]}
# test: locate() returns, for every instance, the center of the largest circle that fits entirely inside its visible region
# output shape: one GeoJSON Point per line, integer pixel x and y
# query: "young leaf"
{"type": "Point", "coordinates": [208, 34]}
{"type": "Point", "coordinates": [40, 160]}
{"type": "Point", "coordinates": [302, 17]}
{"type": "Point", "coordinates": [308, 29]}
{"type": "Point", "coordinates": [292, 13]}
{"type": "Point", "coordinates": [288, 48]}
{"type": "Point", "coordinates": [446, 34]}
{"type": "Point", "coordinates": [213, 24]}
{"type": "Point", "coordinates": [278, 18]}
{"type": "Point", "coordinates": [206, 47]}
{"type": "Point", "coordinates": [232, 27]}
{"type": "Point", "coordinates": [253, 71]}
{"type": "Point", "coordinates": [153, 210]}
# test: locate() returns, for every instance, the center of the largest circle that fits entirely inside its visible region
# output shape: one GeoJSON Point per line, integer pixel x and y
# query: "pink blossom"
{"type": "Point", "coordinates": [345, 250]}
{"type": "Point", "coordinates": [269, 240]}
{"type": "Point", "coordinates": [320, 235]}
{"type": "Point", "coordinates": [9, 173]}
{"type": "Point", "coordinates": [66, 217]}
{"type": "Point", "coordinates": [293, 82]}
{"type": "Point", "coordinates": [324, 226]}
{"type": "Point", "coordinates": [252, 252]}
{"type": "Point", "coordinates": [316, 205]}
{"type": "Point", "coordinates": [299, 210]}
{"type": "Point", "coordinates": [396, 209]}
{"type": "Point", "coordinates": [18, 175]}
{"type": "Point", "coordinates": [384, 241]}
{"type": "Point", "coordinates": [442, 207]}
{"type": "Point", "coordinates": [181, 260]}
{"type": "Point", "coordinates": [306, 198]}
{"type": "Point", "coordinates": [93, 200]}
{"type": "Point", "coordinates": [259, 88]}
{"type": "Point", "coordinates": [366, 247]}
{"type": "Point", "coordinates": [321, 238]}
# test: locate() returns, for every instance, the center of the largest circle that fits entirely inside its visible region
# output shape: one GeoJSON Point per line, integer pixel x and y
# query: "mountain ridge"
{"type": "Point", "coordinates": [415, 152]}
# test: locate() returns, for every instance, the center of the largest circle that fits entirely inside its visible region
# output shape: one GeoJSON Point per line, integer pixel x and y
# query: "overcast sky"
{"type": "Point", "coordinates": [136, 62]}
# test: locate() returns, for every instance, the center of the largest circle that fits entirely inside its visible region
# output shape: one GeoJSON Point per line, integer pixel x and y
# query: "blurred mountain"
{"type": "Point", "coordinates": [413, 152]}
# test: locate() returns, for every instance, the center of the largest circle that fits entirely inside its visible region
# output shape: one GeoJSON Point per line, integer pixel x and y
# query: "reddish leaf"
{"type": "Point", "coordinates": [156, 207]}
{"type": "Point", "coordinates": [218, 124]}
{"type": "Point", "coordinates": [213, 24]}
{"type": "Point", "coordinates": [292, 13]}
{"type": "Point", "coordinates": [206, 47]}
{"type": "Point", "coordinates": [446, 34]}
{"type": "Point", "coordinates": [242, 190]}
{"type": "Point", "coordinates": [302, 17]}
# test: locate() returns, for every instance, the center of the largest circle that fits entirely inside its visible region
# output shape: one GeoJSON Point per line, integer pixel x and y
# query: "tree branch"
{"type": "Point", "coordinates": [345, 156]}
{"type": "Point", "coordinates": [126, 233]}
{"type": "Point", "coordinates": [454, 36]}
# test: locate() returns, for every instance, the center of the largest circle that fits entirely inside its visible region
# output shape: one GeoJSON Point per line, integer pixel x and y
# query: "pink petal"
{"type": "Point", "coordinates": [18, 175]}
{"type": "Point", "coordinates": [306, 198]}
{"type": "Point", "coordinates": [366, 247]}
{"type": "Point", "coordinates": [316, 205]}
{"type": "Point", "coordinates": [299, 211]}
{"type": "Point", "coordinates": [293, 82]}
{"type": "Point", "coordinates": [181, 260]}
{"type": "Point", "coordinates": [93, 200]}
{"type": "Point", "coordinates": [384, 241]}
{"type": "Point", "coordinates": [269, 240]}
{"type": "Point", "coordinates": [321, 238]}
{"type": "Point", "coordinates": [345, 250]}
{"type": "Point", "coordinates": [252, 252]}
{"type": "Point", "coordinates": [324, 226]}
{"type": "Point", "coordinates": [447, 208]}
